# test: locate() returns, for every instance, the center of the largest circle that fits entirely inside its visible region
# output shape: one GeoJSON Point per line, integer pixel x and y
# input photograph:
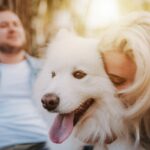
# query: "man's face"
{"type": "Point", "coordinates": [12, 33]}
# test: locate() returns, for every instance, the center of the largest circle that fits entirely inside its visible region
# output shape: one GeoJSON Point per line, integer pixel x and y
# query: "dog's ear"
{"type": "Point", "coordinates": [62, 34]}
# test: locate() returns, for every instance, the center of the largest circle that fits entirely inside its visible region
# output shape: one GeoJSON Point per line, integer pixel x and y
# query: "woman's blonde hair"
{"type": "Point", "coordinates": [131, 36]}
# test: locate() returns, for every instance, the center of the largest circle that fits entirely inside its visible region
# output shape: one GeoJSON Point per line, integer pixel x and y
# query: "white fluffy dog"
{"type": "Point", "coordinates": [73, 83]}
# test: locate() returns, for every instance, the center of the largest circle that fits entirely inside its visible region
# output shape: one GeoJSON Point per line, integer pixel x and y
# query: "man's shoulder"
{"type": "Point", "coordinates": [35, 63]}
{"type": "Point", "coordinates": [35, 60]}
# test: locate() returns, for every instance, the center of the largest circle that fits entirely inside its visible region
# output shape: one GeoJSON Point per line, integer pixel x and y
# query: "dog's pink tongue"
{"type": "Point", "coordinates": [61, 128]}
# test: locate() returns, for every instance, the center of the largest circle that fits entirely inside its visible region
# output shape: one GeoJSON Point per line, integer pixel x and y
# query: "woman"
{"type": "Point", "coordinates": [125, 49]}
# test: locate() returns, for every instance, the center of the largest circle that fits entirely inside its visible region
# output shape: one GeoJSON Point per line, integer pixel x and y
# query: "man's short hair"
{"type": "Point", "coordinates": [4, 8]}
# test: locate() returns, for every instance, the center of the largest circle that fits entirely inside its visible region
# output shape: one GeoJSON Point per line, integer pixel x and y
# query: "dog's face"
{"type": "Point", "coordinates": [78, 89]}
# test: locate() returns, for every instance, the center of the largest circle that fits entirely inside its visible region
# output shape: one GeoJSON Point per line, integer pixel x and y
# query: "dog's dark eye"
{"type": "Point", "coordinates": [79, 74]}
{"type": "Point", "coordinates": [53, 74]}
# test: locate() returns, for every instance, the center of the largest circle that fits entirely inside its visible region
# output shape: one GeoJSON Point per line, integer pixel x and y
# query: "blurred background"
{"type": "Point", "coordinates": [43, 18]}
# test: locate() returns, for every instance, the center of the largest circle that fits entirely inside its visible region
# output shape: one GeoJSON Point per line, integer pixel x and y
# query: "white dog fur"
{"type": "Point", "coordinates": [105, 117]}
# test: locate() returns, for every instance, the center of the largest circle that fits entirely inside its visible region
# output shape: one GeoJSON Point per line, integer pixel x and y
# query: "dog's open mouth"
{"type": "Point", "coordinates": [79, 112]}
{"type": "Point", "coordinates": [64, 123]}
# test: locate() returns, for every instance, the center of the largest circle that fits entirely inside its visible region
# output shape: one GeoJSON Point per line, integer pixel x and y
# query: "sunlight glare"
{"type": "Point", "coordinates": [102, 12]}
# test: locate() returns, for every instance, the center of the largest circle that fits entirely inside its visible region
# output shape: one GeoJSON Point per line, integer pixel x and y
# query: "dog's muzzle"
{"type": "Point", "coordinates": [50, 101]}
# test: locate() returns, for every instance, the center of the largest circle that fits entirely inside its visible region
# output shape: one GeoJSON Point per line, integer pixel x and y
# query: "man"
{"type": "Point", "coordinates": [21, 127]}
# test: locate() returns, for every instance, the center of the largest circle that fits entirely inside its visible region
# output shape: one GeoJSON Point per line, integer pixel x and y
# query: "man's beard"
{"type": "Point", "coordinates": [9, 49]}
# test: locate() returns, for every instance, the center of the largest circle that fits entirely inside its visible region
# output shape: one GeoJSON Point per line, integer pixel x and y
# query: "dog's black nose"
{"type": "Point", "coordinates": [50, 101]}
